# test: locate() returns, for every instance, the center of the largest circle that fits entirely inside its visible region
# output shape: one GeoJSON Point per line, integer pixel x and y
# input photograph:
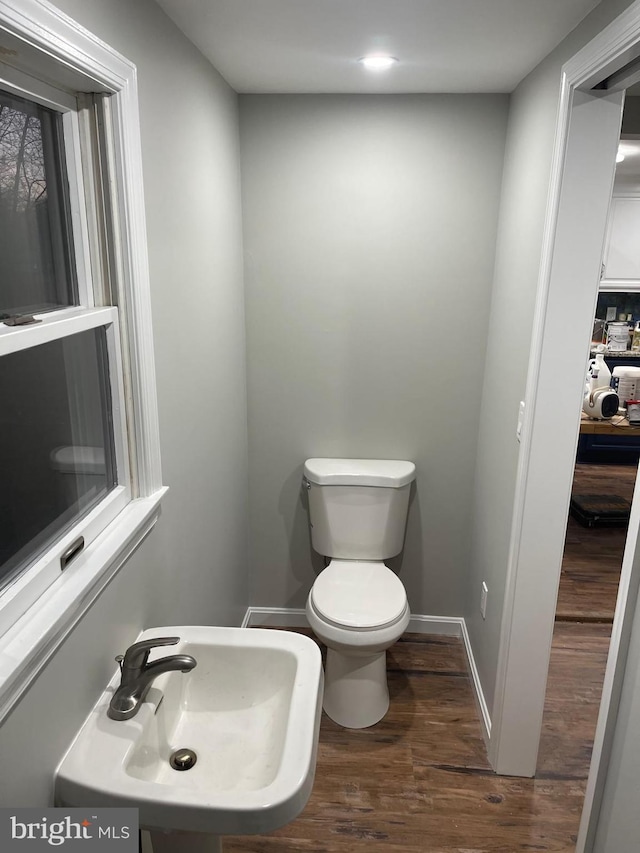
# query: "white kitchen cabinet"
{"type": "Point", "coordinates": [621, 262]}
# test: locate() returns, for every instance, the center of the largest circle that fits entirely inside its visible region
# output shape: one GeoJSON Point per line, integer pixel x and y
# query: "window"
{"type": "Point", "coordinates": [80, 479]}
{"type": "Point", "coordinates": [62, 480]}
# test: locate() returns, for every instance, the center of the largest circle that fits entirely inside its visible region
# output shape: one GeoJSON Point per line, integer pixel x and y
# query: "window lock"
{"type": "Point", "coordinates": [72, 551]}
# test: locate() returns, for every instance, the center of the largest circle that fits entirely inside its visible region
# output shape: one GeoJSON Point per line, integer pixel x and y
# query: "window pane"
{"type": "Point", "coordinates": [36, 271]}
{"type": "Point", "coordinates": [56, 443]}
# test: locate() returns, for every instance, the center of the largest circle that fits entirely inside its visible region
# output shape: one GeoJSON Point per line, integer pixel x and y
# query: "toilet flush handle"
{"type": "Point", "coordinates": [306, 484]}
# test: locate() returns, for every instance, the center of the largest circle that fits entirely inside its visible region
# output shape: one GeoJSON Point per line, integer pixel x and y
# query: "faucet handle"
{"type": "Point", "coordinates": [136, 655]}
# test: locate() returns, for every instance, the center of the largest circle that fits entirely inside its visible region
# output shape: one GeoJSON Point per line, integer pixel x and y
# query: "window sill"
{"type": "Point", "coordinates": [617, 285]}
{"type": "Point", "coordinates": [33, 640]}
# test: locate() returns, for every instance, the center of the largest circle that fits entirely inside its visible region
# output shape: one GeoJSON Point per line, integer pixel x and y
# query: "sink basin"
{"type": "Point", "coordinates": [250, 710]}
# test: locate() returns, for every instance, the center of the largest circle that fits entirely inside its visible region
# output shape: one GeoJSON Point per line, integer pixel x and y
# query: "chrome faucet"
{"type": "Point", "coordinates": [137, 675]}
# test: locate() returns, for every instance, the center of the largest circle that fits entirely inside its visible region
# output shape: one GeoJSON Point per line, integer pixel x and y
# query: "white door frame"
{"type": "Point", "coordinates": [581, 182]}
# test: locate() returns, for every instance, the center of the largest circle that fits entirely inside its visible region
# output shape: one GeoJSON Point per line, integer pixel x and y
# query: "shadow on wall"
{"type": "Point", "coordinates": [411, 553]}
{"type": "Point", "coordinates": [306, 564]}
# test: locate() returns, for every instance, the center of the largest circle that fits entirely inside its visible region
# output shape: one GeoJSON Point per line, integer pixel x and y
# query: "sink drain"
{"type": "Point", "coordinates": [183, 759]}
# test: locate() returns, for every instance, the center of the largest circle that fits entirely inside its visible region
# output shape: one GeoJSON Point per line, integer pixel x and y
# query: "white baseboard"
{"type": "Point", "coordinates": [282, 617]}
{"type": "Point", "coordinates": [447, 626]}
{"type": "Point", "coordinates": [483, 708]}
{"type": "Point", "coordinates": [295, 617]}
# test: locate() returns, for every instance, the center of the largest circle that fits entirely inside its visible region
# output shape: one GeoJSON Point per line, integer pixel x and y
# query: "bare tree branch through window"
{"type": "Point", "coordinates": [36, 272]}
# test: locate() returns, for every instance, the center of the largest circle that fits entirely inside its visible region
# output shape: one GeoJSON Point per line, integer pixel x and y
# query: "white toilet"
{"type": "Point", "coordinates": [357, 606]}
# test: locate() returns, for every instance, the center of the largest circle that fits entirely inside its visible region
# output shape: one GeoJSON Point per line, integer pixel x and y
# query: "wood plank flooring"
{"type": "Point", "coordinates": [593, 556]}
{"type": "Point", "coordinates": [574, 686]}
{"type": "Point", "coordinates": [420, 781]}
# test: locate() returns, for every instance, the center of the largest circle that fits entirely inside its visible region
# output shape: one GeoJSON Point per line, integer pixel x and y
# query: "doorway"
{"type": "Point", "coordinates": [582, 179]}
{"type": "Point", "coordinates": [604, 476]}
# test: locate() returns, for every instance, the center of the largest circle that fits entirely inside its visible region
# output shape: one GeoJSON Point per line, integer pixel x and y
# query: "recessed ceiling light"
{"type": "Point", "coordinates": [378, 62]}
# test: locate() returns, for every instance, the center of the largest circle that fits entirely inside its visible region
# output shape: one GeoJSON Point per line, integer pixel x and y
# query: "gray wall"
{"type": "Point", "coordinates": [193, 567]}
{"type": "Point", "coordinates": [370, 226]}
{"type": "Point", "coordinates": [529, 148]}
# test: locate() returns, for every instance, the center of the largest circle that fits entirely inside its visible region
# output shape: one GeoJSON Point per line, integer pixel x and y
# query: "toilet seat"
{"type": "Point", "coordinates": [359, 595]}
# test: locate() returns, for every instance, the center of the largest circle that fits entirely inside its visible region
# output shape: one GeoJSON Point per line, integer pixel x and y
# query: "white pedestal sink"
{"type": "Point", "coordinates": [250, 711]}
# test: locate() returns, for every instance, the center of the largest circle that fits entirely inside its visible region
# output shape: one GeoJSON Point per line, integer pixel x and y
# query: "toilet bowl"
{"type": "Point", "coordinates": [358, 610]}
{"type": "Point", "coordinates": [357, 606]}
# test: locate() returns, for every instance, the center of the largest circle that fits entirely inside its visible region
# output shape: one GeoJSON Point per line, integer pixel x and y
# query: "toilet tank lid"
{"type": "Point", "coordinates": [389, 473]}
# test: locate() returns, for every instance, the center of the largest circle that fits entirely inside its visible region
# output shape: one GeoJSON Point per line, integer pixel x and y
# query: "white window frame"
{"type": "Point", "coordinates": [27, 588]}
{"type": "Point", "coordinates": [53, 47]}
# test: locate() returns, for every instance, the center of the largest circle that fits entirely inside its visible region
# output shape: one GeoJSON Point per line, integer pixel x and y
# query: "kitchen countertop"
{"type": "Point", "coordinates": [615, 353]}
{"type": "Point", "coordinates": [617, 425]}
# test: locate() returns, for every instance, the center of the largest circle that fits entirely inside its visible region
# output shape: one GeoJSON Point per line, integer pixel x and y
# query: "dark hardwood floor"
{"type": "Point", "coordinates": [420, 782]}
{"type": "Point", "coordinates": [593, 556]}
{"type": "Point", "coordinates": [420, 779]}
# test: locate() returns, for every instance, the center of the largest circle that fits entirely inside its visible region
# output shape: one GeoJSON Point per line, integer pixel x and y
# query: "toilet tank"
{"type": "Point", "coordinates": [358, 507]}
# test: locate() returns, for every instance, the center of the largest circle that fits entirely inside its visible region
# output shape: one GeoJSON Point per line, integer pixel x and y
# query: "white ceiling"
{"type": "Point", "coordinates": [312, 45]}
